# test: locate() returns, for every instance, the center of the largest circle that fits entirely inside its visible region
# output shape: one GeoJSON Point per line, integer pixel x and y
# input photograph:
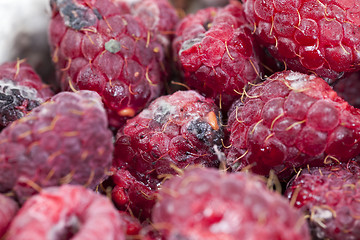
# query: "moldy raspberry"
{"type": "Point", "coordinates": [216, 53]}
{"type": "Point", "coordinates": [317, 36]}
{"type": "Point", "coordinates": [21, 90]}
{"type": "Point", "coordinates": [65, 140]}
{"type": "Point", "coordinates": [330, 197]}
{"type": "Point", "coordinates": [175, 131]}
{"type": "Point", "coordinates": [210, 204]}
{"type": "Point", "coordinates": [99, 46]}
{"type": "Point", "coordinates": [289, 121]}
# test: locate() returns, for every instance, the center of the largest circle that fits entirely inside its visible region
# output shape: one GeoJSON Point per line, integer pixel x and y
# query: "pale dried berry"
{"type": "Point", "coordinates": [99, 46]}
{"type": "Point", "coordinates": [349, 89]}
{"type": "Point", "coordinates": [289, 121]}
{"type": "Point", "coordinates": [8, 210]}
{"type": "Point", "coordinates": [65, 140]}
{"type": "Point", "coordinates": [216, 53]}
{"type": "Point", "coordinates": [21, 90]}
{"type": "Point", "coordinates": [330, 197]}
{"type": "Point", "coordinates": [67, 212]}
{"type": "Point", "coordinates": [175, 131]}
{"type": "Point", "coordinates": [209, 204]}
{"type": "Point", "coordinates": [317, 36]}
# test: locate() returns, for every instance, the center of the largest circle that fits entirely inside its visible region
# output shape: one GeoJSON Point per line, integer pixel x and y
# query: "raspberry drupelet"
{"type": "Point", "coordinates": [175, 131]}
{"type": "Point", "coordinates": [289, 121]}
{"type": "Point", "coordinates": [310, 36]}
{"type": "Point", "coordinates": [64, 140]}
{"type": "Point", "coordinates": [100, 46]}
{"type": "Point", "coordinates": [21, 90]}
{"type": "Point", "coordinates": [216, 53]}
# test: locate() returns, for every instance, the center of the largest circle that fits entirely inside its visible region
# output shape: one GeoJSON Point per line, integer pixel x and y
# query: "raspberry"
{"type": "Point", "coordinates": [99, 46]}
{"type": "Point", "coordinates": [216, 53]}
{"type": "Point", "coordinates": [65, 140]}
{"type": "Point", "coordinates": [67, 212]}
{"type": "Point", "coordinates": [330, 196]}
{"type": "Point", "coordinates": [173, 132]}
{"type": "Point", "coordinates": [310, 36]}
{"type": "Point", "coordinates": [349, 88]}
{"type": "Point", "coordinates": [8, 209]}
{"type": "Point", "coordinates": [21, 90]}
{"type": "Point", "coordinates": [209, 204]}
{"type": "Point", "coordinates": [288, 121]}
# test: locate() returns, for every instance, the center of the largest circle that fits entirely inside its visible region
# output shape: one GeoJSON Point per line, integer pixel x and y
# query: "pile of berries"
{"type": "Point", "coordinates": [236, 119]}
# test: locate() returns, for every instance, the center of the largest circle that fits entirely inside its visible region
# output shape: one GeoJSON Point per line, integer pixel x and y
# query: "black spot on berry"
{"type": "Point", "coordinates": [74, 15]}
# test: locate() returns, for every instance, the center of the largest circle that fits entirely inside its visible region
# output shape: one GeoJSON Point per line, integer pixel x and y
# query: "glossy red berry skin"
{"type": "Point", "coordinates": [310, 36]}
{"type": "Point", "coordinates": [100, 46]}
{"type": "Point", "coordinates": [330, 196]}
{"type": "Point", "coordinates": [216, 53]}
{"type": "Point", "coordinates": [289, 121]}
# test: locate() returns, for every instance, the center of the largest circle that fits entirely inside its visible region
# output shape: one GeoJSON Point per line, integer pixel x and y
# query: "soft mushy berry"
{"type": "Point", "coordinates": [67, 212]}
{"type": "Point", "coordinates": [100, 46]}
{"type": "Point", "coordinates": [310, 36]}
{"type": "Point", "coordinates": [330, 196]}
{"type": "Point", "coordinates": [8, 210]}
{"type": "Point", "coordinates": [210, 204]}
{"type": "Point", "coordinates": [21, 90]}
{"type": "Point", "coordinates": [65, 140]}
{"type": "Point", "coordinates": [175, 131]}
{"type": "Point", "coordinates": [216, 53]}
{"type": "Point", "coordinates": [289, 121]}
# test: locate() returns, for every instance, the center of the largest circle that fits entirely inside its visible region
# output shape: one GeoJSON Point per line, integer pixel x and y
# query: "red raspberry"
{"type": "Point", "coordinates": [173, 132]}
{"type": "Point", "coordinates": [330, 196]}
{"type": "Point", "coordinates": [216, 52]}
{"type": "Point", "coordinates": [98, 46]}
{"type": "Point", "coordinates": [67, 212]}
{"type": "Point", "coordinates": [317, 36]}
{"type": "Point", "coordinates": [209, 204]}
{"type": "Point", "coordinates": [8, 209]}
{"type": "Point", "coordinates": [291, 120]}
{"type": "Point", "coordinates": [21, 90]}
{"type": "Point", "coordinates": [349, 89]}
{"type": "Point", "coordinates": [65, 140]}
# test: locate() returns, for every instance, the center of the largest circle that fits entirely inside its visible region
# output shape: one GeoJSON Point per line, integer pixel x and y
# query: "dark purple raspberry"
{"type": "Point", "coordinates": [8, 210]}
{"type": "Point", "coordinates": [99, 46]}
{"type": "Point", "coordinates": [65, 140]}
{"type": "Point", "coordinates": [310, 36]}
{"type": "Point", "coordinates": [216, 53]}
{"type": "Point", "coordinates": [21, 90]}
{"type": "Point", "coordinates": [67, 212]}
{"type": "Point", "coordinates": [210, 204]}
{"type": "Point", "coordinates": [289, 121]}
{"type": "Point", "coordinates": [330, 196]}
{"type": "Point", "coordinates": [175, 131]}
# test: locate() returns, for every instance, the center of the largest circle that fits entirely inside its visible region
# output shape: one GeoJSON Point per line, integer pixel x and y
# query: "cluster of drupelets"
{"type": "Point", "coordinates": [234, 122]}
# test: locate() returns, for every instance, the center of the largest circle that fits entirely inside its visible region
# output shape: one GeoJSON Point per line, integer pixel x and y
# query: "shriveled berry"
{"type": "Point", "coordinates": [175, 131]}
